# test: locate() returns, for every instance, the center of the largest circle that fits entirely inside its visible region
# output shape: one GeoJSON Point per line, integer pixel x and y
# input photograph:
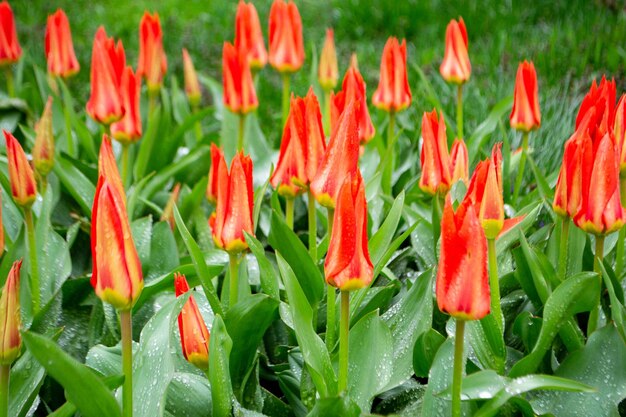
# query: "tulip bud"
{"type": "Point", "coordinates": [217, 157]}
{"type": "Point", "coordinates": [285, 40]}
{"type": "Point", "coordinates": [492, 205]}
{"type": "Point", "coordinates": [393, 93]}
{"type": "Point", "coordinates": [21, 175]}
{"type": "Point", "coordinates": [128, 129]}
{"type": "Point", "coordinates": [602, 100]}
{"type": "Point", "coordinates": [462, 288]}
{"type": "Point", "coordinates": [59, 48]}
{"type": "Point", "coordinates": [619, 129]}
{"type": "Point", "coordinates": [459, 161]}
{"type": "Point", "coordinates": [239, 92]}
{"type": "Point", "coordinates": [328, 73]}
{"type": "Point", "coordinates": [435, 159]}
{"type": "Point", "coordinates": [525, 115]}
{"type": "Point", "coordinates": [348, 265]}
{"type": "Point", "coordinates": [43, 152]}
{"type": "Point", "coordinates": [248, 35]}
{"type": "Point", "coordinates": [107, 167]}
{"type": "Point", "coordinates": [194, 336]}
{"type": "Point", "coordinates": [168, 210]}
{"type": "Point", "coordinates": [10, 51]}
{"type": "Point", "coordinates": [152, 60]}
{"type": "Point", "coordinates": [192, 86]}
{"type": "Point", "coordinates": [456, 67]}
{"type": "Point", "coordinates": [11, 341]}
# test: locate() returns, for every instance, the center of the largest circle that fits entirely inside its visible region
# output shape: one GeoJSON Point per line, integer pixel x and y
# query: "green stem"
{"type": "Point", "coordinates": [459, 111]}
{"type": "Point", "coordinates": [197, 125]}
{"type": "Point", "coordinates": [312, 228]}
{"type": "Point", "coordinates": [344, 327]}
{"type": "Point", "coordinates": [233, 263]}
{"type": "Point", "coordinates": [152, 102]}
{"type": "Point", "coordinates": [388, 167]}
{"type": "Point", "coordinates": [43, 184]}
{"type": "Point", "coordinates": [594, 315]}
{"type": "Point", "coordinates": [126, 323]}
{"type": "Point", "coordinates": [10, 84]}
{"type": "Point", "coordinates": [240, 133]}
{"type": "Point", "coordinates": [330, 295]}
{"type": "Point", "coordinates": [5, 373]}
{"type": "Point", "coordinates": [286, 91]}
{"type": "Point", "coordinates": [35, 291]}
{"type": "Point", "coordinates": [125, 147]}
{"type": "Point", "coordinates": [494, 284]}
{"type": "Point", "coordinates": [563, 248]}
{"type": "Point", "coordinates": [289, 207]}
{"type": "Point", "coordinates": [71, 150]}
{"type": "Point", "coordinates": [327, 112]}
{"type": "Point", "coordinates": [457, 374]}
{"type": "Point", "coordinates": [522, 165]}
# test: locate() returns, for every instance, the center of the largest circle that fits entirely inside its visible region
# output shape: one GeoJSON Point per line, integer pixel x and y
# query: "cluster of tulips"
{"type": "Point", "coordinates": [326, 171]}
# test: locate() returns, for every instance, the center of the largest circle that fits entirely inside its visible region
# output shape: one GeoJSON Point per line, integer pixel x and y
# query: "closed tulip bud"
{"type": "Point", "coordinates": [11, 341]}
{"type": "Point", "coordinates": [285, 40]}
{"type": "Point", "coordinates": [43, 151]}
{"type": "Point", "coordinates": [485, 191]}
{"type": "Point", "coordinates": [217, 157]}
{"type": "Point", "coordinates": [327, 71]}
{"type": "Point", "coordinates": [462, 288]}
{"type": "Point", "coordinates": [168, 210]}
{"type": "Point", "coordinates": [194, 335]}
{"type": "Point", "coordinates": [602, 99]}
{"type": "Point", "coordinates": [192, 86]}
{"type": "Point", "coordinates": [248, 35]}
{"type": "Point", "coordinates": [10, 51]}
{"type": "Point", "coordinates": [233, 214]}
{"type": "Point", "coordinates": [456, 67]}
{"type": "Point", "coordinates": [459, 162]}
{"type": "Point", "coordinates": [348, 265]}
{"type": "Point", "coordinates": [108, 61]}
{"type": "Point", "coordinates": [340, 159]}
{"type": "Point", "coordinates": [525, 115]}
{"type": "Point", "coordinates": [59, 48]}
{"type": "Point", "coordinates": [393, 93]}
{"type": "Point", "coordinates": [239, 92]}
{"type": "Point", "coordinates": [152, 60]}
{"type": "Point", "coordinates": [619, 129]}
{"type": "Point", "coordinates": [435, 159]}
{"type": "Point", "coordinates": [21, 175]}
{"type": "Point", "coordinates": [128, 129]}
{"type": "Point", "coordinates": [107, 167]}
{"type": "Point", "coordinates": [315, 138]}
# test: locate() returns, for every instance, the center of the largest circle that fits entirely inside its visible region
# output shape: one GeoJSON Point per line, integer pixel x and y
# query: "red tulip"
{"type": "Point", "coordinates": [456, 67]}
{"type": "Point", "coordinates": [248, 35]}
{"type": "Point", "coordinates": [348, 265]}
{"type": "Point", "coordinates": [10, 319]}
{"type": "Point", "coordinates": [525, 115]}
{"type": "Point", "coordinates": [194, 336]}
{"type": "Point", "coordinates": [107, 65]}
{"type": "Point", "coordinates": [10, 51]}
{"type": "Point", "coordinates": [619, 129]}
{"type": "Point", "coordinates": [486, 193]}
{"type": "Point", "coordinates": [21, 175]}
{"type": "Point", "coordinates": [393, 93]}
{"type": "Point", "coordinates": [59, 47]}
{"type": "Point", "coordinates": [459, 161]}
{"type": "Point", "coordinates": [285, 41]}
{"type": "Point", "coordinates": [239, 93]}
{"type": "Point", "coordinates": [462, 278]}
{"type": "Point", "coordinates": [602, 99]}
{"type": "Point", "coordinates": [233, 214]}
{"type": "Point", "coordinates": [128, 129]}
{"type": "Point", "coordinates": [168, 210]}
{"type": "Point", "coordinates": [43, 151]}
{"type": "Point", "coordinates": [327, 71]}
{"type": "Point", "coordinates": [107, 167]}
{"type": "Point", "coordinates": [217, 157]}
{"type": "Point", "coordinates": [435, 159]}
{"type": "Point", "coordinates": [152, 60]}
{"type": "Point", "coordinates": [192, 86]}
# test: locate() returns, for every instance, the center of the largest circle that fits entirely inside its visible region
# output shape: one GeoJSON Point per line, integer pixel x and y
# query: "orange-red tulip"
{"type": "Point", "coordinates": [393, 93]}
{"type": "Point", "coordinates": [128, 129]}
{"type": "Point", "coordinates": [340, 159]}
{"type": "Point", "coordinates": [194, 335]}
{"type": "Point", "coordinates": [248, 35]}
{"type": "Point", "coordinates": [459, 161]}
{"type": "Point", "coordinates": [327, 71]}
{"type": "Point", "coordinates": [10, 51]}
{"type": "Point", "coordinates": [239, 93]}
{"type": "Point", "coordinates": [108, 61]}
{"type": "Point", "coordinates": [619, 129]}
{"type": "Point", "coordinates": [602, 99]}
{"type": "Point", "coordinates": [168, 210]}
{"type": "Point", "coordinates": [285, 41]}
{"type": "Point", "coordinates": [462, 278]}
{"type": "Point", "coordinates": [217, 157]}
{"type": "Point", "coordinates": [456, 67]}
{"type": "Point", "coordinates": [107, 167]}
{"type": "Point", "coordinates": [43, 151]}
{"type": "Point", "coordinates": [486, 193]}
{"type": "Point", "coordinates": [348, 265]}
{"type": "Point", "coordinates": [192, 86]}
{"type": "Point", "coordinates": [21, 175]}
{"type": "Point", "coordinates": [152, 61]}
{"type": "Point", "coordinates": [525, 115]}
{"type": "Point", "coordinates": [59, 47]}
{"type": "Point", "coordinates": [10, 319]}
{"type": "Point", "coordinates": [233, 214]}
{"type": "Point", "coordinates": [436, 177]}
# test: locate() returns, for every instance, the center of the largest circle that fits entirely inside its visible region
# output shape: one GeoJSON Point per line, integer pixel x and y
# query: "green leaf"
{"type": "Point", "coordinates": [188, 395]}
{"type": "Point", "coordinates": [220, 347]}
{"type": "Point", "coordinates": [268, 276]}
{"type": "Point", "coordinates": [487, 342]}
{"type": "Point", "coordinates": [476, 141]}
{"type": "Point", "coordinates": [163, 252]}
{"type": "Point", "coordinates": [335, 407]}
{"type": "Point", "coordinates": [618, 312]}
{"type": "Point", "coordinates": [147, 144]}
{"type": "Point", "coordinates": [440, 378]}
{"type": "Point", "coordinates": [82, 386]}
{"type": "Point", "coordinates": [426, 347]}
{"type": "Point", "coordinates": [76, 184]}
{"type": "Point", "coordinates": [511, 236]}
{"type": "Point", "coordinates": [27, 376]}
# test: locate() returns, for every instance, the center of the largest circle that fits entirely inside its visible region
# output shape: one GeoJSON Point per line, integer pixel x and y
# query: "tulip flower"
{"type": "Point", "coordinates": [152, 60]}
{"type": "Point", "coordinates": [128, 129]}
{"type": "Point", "coordinates": [11, 341]}
{"type": "Point", "coordinates": [248, 35]}
{"type": "Point", "coordinates": [217, 157]}
{"type": "Point", "coordinates": [59, 48]}
{"type": "Point", "coordinates": [43, 151]}
{"type": "Point", "coordinates": [602, 99]}
{"type": "Point", "coordinates": [285, 41]}
{"type": "Point", "coordinates": [436, 177]}
{"type": "Point", "coordinates": [168, 210]}
{"type": "Point", "coordinates": [107, 167]}
{"type": "Point", "coordinates": [192, 86]}
{"type": "Point", "coordinates": [327, 71]}
{"type": "Point", "coordinates": [459, 161]}
{"type": "Point", "coordinates": [10, 51]}
{"type": "Point", "coordinates": [194, 335]}
{"type": "Point", "coordinates": [619, 129]}
{"type": "Point", "coordinates": [456, 67]}
{"type": "Point", "coordinates": [525, 115]}
{"type": "Point", "coordinates": [393, 93]}
{"type": "Point", "coordinates": [108, 61]}
{"type": "Point", "coordinates": [21, 175]}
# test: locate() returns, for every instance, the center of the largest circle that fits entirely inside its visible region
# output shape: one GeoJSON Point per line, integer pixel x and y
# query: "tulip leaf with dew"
{"type": "Point", "coordinates": [27, 376]}
{"type": "Point", "coordinates": [188, 395]}
{"type": "Point", "coordinates": [335, 407]}
{"type": "Point", "coordinates": [487, 343]}
{"type": "Point", "coordinates": [76, 183]}
{"type": "Point", "coordinates": [380, 240]}
{"type": "Point", "coordinates": [220, 347]}
{"type": "Point", "coordinates": [268, 275]}
{"type": "Point", "coordinates": [426, 347]}
{"type": "Point", "coordinates": [147, 144]}
{"type": "Point", "coordinates": [163, 254]}
{"type": "Point", "coordinates": [618, 311]}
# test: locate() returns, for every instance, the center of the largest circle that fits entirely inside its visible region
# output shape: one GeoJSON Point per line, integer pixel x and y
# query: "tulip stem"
{"type": "Point", "coordinates": [198, 126]}
{"type": "Point", "coordinates": [594, 315]}
{"type": "Point", "coordinates": [344, 340]}
{"type": "Point", "coordinates": [233, 264]}
{"type": "Point", "coordinates": [494, 283]}
{"type": "Point", "coordinates": [312, 228]}
{"type": "Point", "coordinates": [152, 102]}
{"type": "Point", "coordinates": [457, 374]}
{"type": "Point", "coordinates": [10, 84]}
{"type": "Point", "coordinates": [330, 295]}
{"type": "Point", "coordinates": [289, 208]}
{"type": "Point", "coordinates": [563, 248]}
{"type": "Point", "coordinates": [522, 165]}
{"type": "Point", "coordinates": [125, 147]}
{"type": "Point", "coordinates": [71, 150]}
{"type": "Point", "coordinates": [126, 324]}
{"type": "Point", "coordinates": [459, 111]}
{"type": "Point", "coordinates": [388, 164]}
{"type": "Point", "coordinates": [286, 91]}
{"type": "Point", "coordinates": [240, 134]}
{"type": "Point", "coordinates": [34, 268]}
{"type": "Point", "coordinates": [5, 373]}
{"type": "Point", "coordinates": [327, 111]}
